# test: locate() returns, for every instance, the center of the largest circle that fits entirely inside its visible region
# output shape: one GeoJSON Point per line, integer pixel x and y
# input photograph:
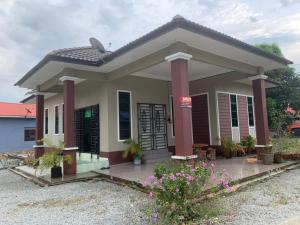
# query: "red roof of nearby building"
{"type": "Point", "coordinates": [17, 110]}
{"type": "Point", "coordinates": [290, 110]}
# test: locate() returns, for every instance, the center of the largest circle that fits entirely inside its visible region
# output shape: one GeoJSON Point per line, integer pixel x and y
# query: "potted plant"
{"type": "Point", "coordinates": [277, 157]}
{"type": "Point", "coordinates": [200, 152]}
{"type": "Point", "coordinates": [211, 154]}
{"type": "Point", "coordinates": [267, 155]}
{"type": "Point", "coordinates": [134, 149]}
{"type": "Point", "coordinates": [53, 159]}
{"type": "Point", "coordinates": [228, 147]}
{"type": "Point", "coordinates": [249, 143]}
{"type": "Point", "coordinates": [240, 150]}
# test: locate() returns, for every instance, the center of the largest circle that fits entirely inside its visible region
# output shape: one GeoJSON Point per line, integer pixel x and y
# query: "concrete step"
{"type": "Point", "coordinates": [157, 154]}
{"type": "Point", "coordinates": [86, 167]}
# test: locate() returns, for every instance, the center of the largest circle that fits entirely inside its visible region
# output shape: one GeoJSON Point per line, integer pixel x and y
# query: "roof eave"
{"type": "Point", "coordinates": [177, 22]}
{"type": "Point", "coordinates": [49, 58]}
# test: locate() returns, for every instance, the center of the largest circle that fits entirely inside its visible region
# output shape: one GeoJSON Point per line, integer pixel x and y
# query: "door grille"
{"type": "Point", "coordinates": [152, 126]}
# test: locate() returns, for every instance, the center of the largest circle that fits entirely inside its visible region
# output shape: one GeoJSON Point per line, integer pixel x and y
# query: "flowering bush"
{"type": "Point", "coordinates": [175, 188]}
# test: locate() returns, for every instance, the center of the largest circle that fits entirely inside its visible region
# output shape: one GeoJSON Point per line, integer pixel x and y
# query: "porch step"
{"type": "Point", "coordinates": [157, 155]}
{"type": "Point", "coordinates": [86, 162]}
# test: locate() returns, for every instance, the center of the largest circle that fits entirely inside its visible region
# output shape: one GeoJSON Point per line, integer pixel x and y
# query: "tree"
{"type": "Point", "coordinates": [288, 92]}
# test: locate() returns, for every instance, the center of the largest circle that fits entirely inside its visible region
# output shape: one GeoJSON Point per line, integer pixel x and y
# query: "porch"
{"type": "Point", "coordinates": [240, 168]}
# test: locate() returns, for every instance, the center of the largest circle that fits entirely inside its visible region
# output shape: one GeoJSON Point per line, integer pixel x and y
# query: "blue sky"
{"type": "Point", "coordinates": [32, 28]}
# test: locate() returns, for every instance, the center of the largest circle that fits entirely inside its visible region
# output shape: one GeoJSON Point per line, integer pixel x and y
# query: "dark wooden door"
{"type": "Point", "coordinates": [200, 119]}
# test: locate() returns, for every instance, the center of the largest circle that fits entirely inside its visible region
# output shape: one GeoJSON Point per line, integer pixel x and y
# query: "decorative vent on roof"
{"type": "Point", "coordinates": [97, 44]}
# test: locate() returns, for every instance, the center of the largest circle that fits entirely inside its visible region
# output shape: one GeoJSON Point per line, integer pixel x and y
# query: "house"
{"type": "Point", "coordinates": [17, 126]}
{"type": "Point", "coordinates": [180, 84]}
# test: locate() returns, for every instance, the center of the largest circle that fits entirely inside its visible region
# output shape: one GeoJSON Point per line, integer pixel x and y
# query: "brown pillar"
{"type": "Point", "coordinates": [69, 124]}
{"type": "Point", "coordinates": [39, 130]}
{"type": "Point", "coordinates": [182, 115]}
{"type": "Point", "coordinates": [261, 114]}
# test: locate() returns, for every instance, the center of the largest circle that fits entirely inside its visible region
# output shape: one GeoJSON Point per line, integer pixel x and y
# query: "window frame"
{"type": "Point", "coordinates": [118, 113]}
{"type": "Point", "coordinates": [172, 116]}
{"type": "Point", "coordinates": [29, 129]}
{"type": "Point", "coordinates": [54, 120]}
{"type": "Point", "coordinates": [237, 111]}
{"type": "Point", "coordinates": [46, 109]}
{"type": "Point", "coordinates": [253, 112]}
{"type": "Point", "coordinates": [63, 118]}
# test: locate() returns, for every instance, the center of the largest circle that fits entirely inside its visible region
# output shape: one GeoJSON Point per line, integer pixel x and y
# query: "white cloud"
{"type": "Point", "coordinates": [31, 28]}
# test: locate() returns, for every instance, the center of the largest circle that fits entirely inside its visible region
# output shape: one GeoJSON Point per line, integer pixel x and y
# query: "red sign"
{"type": "Point", "coordinates": [185, 102]}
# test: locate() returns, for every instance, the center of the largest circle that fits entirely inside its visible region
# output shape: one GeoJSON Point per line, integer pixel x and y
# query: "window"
{"type": "Point", "coordinates": [46, 121]}
{"type": "Point", "coordinates": [234, 112]}
{"type": "Point", "coordinates": [250, 111]}
{"type": "Point", "coordinates": [63, 118]}
{"type": "Point", "coordinates": [124, 115]}
{"type": "Point", "coordinates": [56, 120]}
{"type": "Point", "coordinates": [29, 133]}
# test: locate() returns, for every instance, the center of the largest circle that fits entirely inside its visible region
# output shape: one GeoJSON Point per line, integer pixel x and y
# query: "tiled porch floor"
{"type": "Point", "coordinates": [239, 168]}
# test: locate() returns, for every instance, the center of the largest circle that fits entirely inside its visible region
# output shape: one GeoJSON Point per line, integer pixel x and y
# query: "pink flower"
{"type": "Point", "coordinates": [204, 164]}
{"type": "Point", "coordinates": [190, 178]}
{"type": "Point", "coordinates": [163, 190]}
{"type": "Point", "coordinates": [161, 180]}
{"type": "Point", "coordinates": [172, 177]}
{"type": "Point", "coordinates": [178, 174]}
{"type": "Point", "coordinates": [150, 195]}
{"type": "Point", "coordinates": [193, 170]}
{"type": "Point", "coordinates": [145, 184]}
{"type": "Point", "coordinates": [151, 178]}
{"type": "Point", "coordinates": [177, 190]}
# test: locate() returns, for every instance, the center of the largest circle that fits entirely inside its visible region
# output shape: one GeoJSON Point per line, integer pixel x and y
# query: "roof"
{"type": "Point", "coordinates": [17, 110]}
{"type": "Point", "coordinates": [85, 54]}
{"type": "Point", "coordinates": [92, 56]}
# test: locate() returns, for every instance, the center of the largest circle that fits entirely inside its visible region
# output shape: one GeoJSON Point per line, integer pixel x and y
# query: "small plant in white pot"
{"type": "Point", "coordinates": [134, 149]}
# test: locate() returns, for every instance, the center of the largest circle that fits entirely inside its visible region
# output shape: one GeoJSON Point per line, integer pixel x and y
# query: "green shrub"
{"type": "Point", "coordinates": [175, 187]}
{"type": "Point", "coordinates": [285, 144]}
{"type": "Point", "coordinates": [248, 142]}
{"type": "Point", "coordinates": [228, 146]}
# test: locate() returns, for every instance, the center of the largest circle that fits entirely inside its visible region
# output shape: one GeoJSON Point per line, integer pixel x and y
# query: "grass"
{"type": "Point", "coordinates": [286, 145]}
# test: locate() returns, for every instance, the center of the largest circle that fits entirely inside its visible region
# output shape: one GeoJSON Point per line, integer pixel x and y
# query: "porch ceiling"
{"type": "Point", "coordinates": [197, 70]}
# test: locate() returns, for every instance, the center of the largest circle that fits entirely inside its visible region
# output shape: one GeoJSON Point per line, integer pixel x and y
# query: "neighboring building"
{"type": "Point", "coordinates": [94, 99]}
{"type": "Point", "coordinates": [17, 126]}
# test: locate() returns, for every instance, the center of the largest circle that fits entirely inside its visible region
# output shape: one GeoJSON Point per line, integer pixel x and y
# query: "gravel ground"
{"type": "Point", "coordinates": [84, 203]}
{"type": "Point", "coordinates": [272, 202]}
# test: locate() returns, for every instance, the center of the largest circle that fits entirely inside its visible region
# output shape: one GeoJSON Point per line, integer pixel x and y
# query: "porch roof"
{"type": "Point", "coordinates": [196, 37]}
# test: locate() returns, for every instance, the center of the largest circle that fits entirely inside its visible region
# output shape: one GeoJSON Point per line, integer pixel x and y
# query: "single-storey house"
{"type": "Point", "coordinates": [180, 84]}
{"type": "Point", "coordinates": [17, 126]}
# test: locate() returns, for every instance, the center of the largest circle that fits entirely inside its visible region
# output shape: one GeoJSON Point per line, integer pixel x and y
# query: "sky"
{"type": "Point", "coordinates": [29, 29]}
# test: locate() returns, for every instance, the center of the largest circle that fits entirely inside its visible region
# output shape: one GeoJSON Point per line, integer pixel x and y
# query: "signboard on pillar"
{"type": "Point", "coordinates": [185, 102]}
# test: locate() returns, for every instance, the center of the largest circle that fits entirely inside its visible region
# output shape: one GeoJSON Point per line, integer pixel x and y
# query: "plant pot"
{"type": "Point", "coordinates": [278, 157]}
{"type": "Point", "coordinates": [202, 154]}
{"type": "Point", "coordinates": [286, 156]}
{"type": "Point", "coordinates": [228, 155]}
{"type": "Point", "coordinates": [267, 158]}
{"type": "Point", "coordinates": [56, 172]}
{"type": "Point", "coordinates": [295, 156]}
{"type": "Point", "coordinates": [137, 161]}
{"type": "Point", "coordinates": [211, 154]}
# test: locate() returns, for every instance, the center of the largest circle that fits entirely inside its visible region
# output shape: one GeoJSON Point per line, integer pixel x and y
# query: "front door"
{"type": "Point", "coordinates": [87, 129]}
{"type": "Point", "coordinates": [152, 126]}
{"type": "Point", "coordinates": [200, 118]}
